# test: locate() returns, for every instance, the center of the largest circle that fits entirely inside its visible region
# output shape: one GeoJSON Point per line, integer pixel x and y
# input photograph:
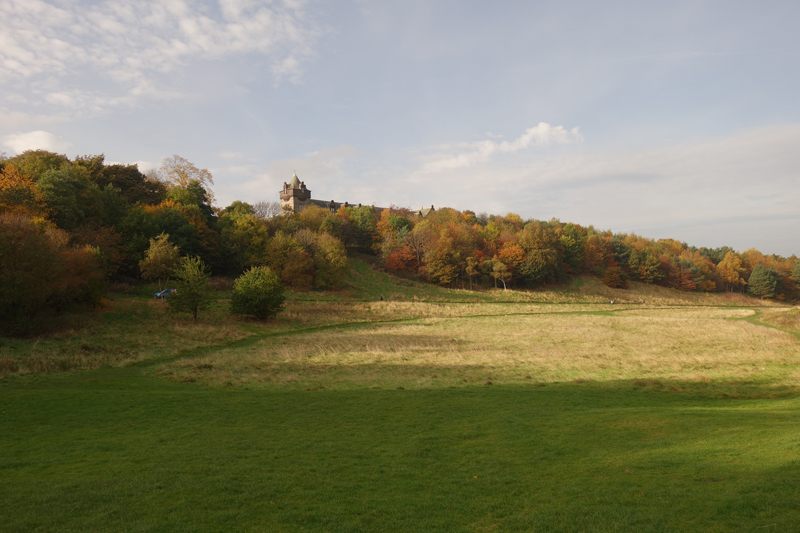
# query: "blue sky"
{"type": "Point", "coordinates": [676, 119]}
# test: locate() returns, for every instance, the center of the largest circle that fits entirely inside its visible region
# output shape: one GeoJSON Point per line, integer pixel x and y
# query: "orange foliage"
{"type": "Point", "coordinates": [19, 194]}
{"type": "Point", "coordinates": [512, 255]}
{"type": "Point", "coordinates": [404, 258]}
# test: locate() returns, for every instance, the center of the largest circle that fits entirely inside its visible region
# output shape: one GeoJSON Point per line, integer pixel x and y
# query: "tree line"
{"type": "Point", "coordinates": [69, 227]}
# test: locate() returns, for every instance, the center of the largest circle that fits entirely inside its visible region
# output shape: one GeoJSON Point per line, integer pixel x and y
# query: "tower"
{"type": "Point", "coordinates": [294, 195]}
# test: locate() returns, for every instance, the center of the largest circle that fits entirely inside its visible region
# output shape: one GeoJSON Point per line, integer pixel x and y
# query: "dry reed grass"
{"type": "Point", "coordinates": [655, 344]}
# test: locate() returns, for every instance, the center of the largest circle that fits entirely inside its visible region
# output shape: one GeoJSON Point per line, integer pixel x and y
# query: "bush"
{"type": "Point", "coordinates": [258, 292]}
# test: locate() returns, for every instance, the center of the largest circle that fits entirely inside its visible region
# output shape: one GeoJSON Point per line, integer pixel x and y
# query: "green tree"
{"type": "Point", "coordinates": [132, 184]}
{"type": "Point", "coordinates": [160, 260]}
{"type": "Point", "coordinates": [763, 281]}
{"type": "Point", "coordinates": [193, 293]}
{"type": "Point", "coordinates": [258, 292]}
{"type": "Point", "coordinates": [500, 272]}
{"type": "Point", "coordinates": [36, 162]}
{"type": "Point", "coordinates": [330, 259]}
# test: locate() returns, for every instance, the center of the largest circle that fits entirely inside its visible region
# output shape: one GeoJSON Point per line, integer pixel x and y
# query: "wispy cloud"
{"type": "Point", "coordinates": [739, 190]}
{"type": "Point", "coordinates": [468, 154]}
{"type": "Point", "coordinates": [36, 140]}
{"type": "Point", "coordinates": [131, 43]}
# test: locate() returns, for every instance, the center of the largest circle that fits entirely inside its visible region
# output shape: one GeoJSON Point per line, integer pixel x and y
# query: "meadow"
{"type": "Point", "coordinates": [435, 409]}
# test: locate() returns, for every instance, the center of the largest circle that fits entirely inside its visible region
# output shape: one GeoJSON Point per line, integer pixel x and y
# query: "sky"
{"type": "Point", "coordinates": [666, 119]}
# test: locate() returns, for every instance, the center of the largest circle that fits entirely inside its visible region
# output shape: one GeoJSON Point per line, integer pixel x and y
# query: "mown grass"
{"type": "Point", "coordinates": [112, 450]}
{"type": "Point", "coordinates": [545, 411]}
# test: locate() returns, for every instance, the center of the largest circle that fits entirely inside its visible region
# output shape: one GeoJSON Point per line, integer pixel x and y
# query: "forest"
{"type": "Point", "coordinates": [70, 229]}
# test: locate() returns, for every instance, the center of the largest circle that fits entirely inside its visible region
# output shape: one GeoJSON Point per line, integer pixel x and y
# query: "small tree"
{"type": "Point", "coordinates": [193, 293]}
{"type": "Point", "coordinates": [160, 260]}
{"type": "Point", "coordinates": [257, 292]}
{"type": "Point", "coordinates": [500, 272]}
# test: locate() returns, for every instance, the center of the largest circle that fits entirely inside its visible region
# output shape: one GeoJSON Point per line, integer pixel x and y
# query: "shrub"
{"type": "Point", "coordinates": [258, 292]}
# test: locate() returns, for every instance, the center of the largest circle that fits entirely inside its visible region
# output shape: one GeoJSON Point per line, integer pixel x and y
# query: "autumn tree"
{"type": "Point", "coordinates": [298, 270]}
{"type": "Point", "coordinates": [472, 269]}
{"type": "Point", "coordinates": [402, 259]}
{"type": "Point", "coordinates": [442, 263]}
{"type": "Point", "coordinates": [41, 272]}
{"type": "Point", "coordinates": [513, 256]}
{"type": "Point", "coordinates": [177, 171]}
{"type": "Point", "coordinates": [614, 276]}
{"type": "Point", "coordinates": [730, 272]}
{"type": "Point", "coordinates": [19, 194]}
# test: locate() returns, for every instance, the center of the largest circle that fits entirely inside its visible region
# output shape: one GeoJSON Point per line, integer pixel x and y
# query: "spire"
{"type": "Point", "coordinates": [294, 183]}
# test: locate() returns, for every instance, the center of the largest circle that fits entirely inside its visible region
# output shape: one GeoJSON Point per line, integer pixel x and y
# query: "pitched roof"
{"type": "Point", "coordinates": [294, 183]}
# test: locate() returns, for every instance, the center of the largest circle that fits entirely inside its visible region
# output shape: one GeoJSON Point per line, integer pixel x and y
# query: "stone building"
{"type": "Point", "coordinates": [295, 196]}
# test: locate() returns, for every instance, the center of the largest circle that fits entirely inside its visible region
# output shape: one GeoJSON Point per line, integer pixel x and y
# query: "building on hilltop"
{"type": "Point", "coordinates": [295, 196]}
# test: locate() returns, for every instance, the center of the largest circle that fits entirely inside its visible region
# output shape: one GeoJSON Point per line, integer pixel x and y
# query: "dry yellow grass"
{"type": "Point", "coordinates": [547, 345]}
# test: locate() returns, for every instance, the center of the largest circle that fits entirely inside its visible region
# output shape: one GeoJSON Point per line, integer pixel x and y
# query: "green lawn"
{"type": "Point", "coordinates": [113, 449]}
{"type": "Point", "coordinates": [543, 411]}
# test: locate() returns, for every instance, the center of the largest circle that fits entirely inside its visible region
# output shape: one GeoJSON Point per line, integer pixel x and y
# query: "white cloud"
{"type": "Point", "coordinates": [468, 154]}
{"type": "Point", "coordinates": [230, 155]}
{"type": "Point", "coordinates": [36, 140]}
{"type": "Point", "coordinates": [740, 190]}
{"type": "Point", "coordinates": [132, 43]}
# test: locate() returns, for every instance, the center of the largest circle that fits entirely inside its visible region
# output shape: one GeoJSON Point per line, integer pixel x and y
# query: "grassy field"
{"type": "Point", "coordinates": [436, 409]}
